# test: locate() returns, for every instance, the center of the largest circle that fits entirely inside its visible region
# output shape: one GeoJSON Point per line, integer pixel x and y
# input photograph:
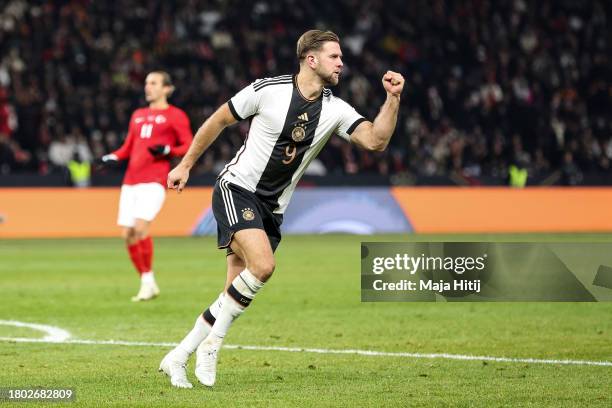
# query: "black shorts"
{"type": "Point", "coordinates": [236, 208]}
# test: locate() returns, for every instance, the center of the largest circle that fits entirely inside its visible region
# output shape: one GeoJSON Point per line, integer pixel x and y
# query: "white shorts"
{"type": "Point", "coordinates": [140, 201]}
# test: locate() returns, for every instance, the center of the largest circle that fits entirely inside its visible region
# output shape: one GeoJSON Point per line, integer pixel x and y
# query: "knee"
{"type": "Point", "coordinates": [129, 236]}
{"type": "Point", "coordinates": [262, 268]}
{"type": "Point", "coordinates": [140, 233]}
{"type": "Point", "coordinates": [139, 236]}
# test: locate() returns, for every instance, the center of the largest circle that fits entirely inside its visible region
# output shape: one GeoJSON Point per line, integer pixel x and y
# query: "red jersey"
{"type": "Point", "coordinates": [5, 119]}
{"type": "Point", "coordinates": [149, 127]}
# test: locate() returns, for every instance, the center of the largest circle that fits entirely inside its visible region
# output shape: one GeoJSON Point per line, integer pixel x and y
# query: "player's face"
{"type": "Point", "coordinates": [330, 63]}
{"type": "Point", "coordinates": [154, 88]}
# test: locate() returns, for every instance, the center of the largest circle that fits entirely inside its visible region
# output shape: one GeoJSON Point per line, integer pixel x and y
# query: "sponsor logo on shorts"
{"type": "Point", "coordinates": [248, 214]}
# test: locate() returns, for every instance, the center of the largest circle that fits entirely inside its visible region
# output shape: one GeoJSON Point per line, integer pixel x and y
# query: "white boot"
{"type": "Point", "coordinates": [206, 360]}
{"type": "Point", "coordinates": [147, 291]}
{"type": "Point", "coordinates": [173, 365]}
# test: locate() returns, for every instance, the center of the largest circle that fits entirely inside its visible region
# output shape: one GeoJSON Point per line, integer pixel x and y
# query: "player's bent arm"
{"type": "Point", "coordinates": [207, 133]}
{"type": "Point", "coordinates": [375, 136]}
{"type": "Point", "coordinates": [123, 152]}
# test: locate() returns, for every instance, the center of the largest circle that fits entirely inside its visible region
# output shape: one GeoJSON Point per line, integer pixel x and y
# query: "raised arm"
{"type": "Point", "coordinates": [375, 136]}
{"type": "Point", "coordinates": [206, 134]}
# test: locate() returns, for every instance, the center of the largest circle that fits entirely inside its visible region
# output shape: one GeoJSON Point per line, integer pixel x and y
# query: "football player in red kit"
{"type": "Point", "coordinates": [155, 134]}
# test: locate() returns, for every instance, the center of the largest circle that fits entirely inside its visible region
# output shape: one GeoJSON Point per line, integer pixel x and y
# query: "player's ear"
{"type": "Point", "coordinates": [169, 91]}
{"type": "Point", "coordinates": [312, 60]}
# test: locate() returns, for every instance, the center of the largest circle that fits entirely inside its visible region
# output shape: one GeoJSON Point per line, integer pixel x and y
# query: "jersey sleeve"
{"type": "Point", "coordinates": [123, 153]}
{"type": "Point", "coordinates": [245, 103]}
{"type": "Point", "coordinates": [349, 119]}
{"type": "Point", "coordinates": [184, 136]}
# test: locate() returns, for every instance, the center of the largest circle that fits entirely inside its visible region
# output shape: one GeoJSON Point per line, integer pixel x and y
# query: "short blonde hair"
{"type": "Point", "coordinates": [313, 40]}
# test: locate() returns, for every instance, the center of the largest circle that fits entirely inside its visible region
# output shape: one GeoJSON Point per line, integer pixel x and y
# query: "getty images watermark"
{"type": "Point", "coordinates": [422, 263]}
{"type": "Point", "coordinates": [485, 271]}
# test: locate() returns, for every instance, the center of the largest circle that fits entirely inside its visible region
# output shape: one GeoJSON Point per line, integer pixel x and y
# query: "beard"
{"type": "Point", "coordinates": [328, 79]}
{"type": "Point", "coordinates": [331, 80]}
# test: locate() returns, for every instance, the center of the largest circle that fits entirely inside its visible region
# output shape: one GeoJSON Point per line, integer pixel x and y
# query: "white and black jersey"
{"type": "Point", "coordinates": [287, 132]}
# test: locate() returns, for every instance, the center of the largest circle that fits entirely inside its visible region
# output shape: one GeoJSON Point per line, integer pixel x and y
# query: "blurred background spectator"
{"type": "Point", "coordinates": [490, 84]}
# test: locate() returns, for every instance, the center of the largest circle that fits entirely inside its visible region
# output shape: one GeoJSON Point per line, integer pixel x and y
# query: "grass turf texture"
{"type": "Point", "coordinates": [313, 301]}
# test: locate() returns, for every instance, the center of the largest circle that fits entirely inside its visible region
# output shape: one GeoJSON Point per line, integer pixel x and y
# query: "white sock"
{"type": "Point", "coordinates": [201, 328]}
{"type": "Point", "coordinates": [147, 277]}
{"type": "Point", "coordinates": [239, 295]}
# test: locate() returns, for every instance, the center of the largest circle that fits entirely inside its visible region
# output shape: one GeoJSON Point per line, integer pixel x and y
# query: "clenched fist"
{"type": "Point", "coordinates": [393, 83]}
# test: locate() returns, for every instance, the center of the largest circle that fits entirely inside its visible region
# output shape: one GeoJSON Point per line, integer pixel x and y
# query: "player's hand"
{"type": "Point", "coordinates": [106, 160]}
{"type": "Point", "coordinates": [393, 83]}
{"type": "Point", "coordinates": [177, 178]}
{"type": "Point", "coordinates": [159, 150]}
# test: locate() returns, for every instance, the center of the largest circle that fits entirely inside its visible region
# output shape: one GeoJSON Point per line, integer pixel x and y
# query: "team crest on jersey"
{"type": "Point", "coordinates": [298, 133]}
{"type": "Point", "coordinates": [160, 119]}
{"type": "Point", "coordinates": [248, 214]}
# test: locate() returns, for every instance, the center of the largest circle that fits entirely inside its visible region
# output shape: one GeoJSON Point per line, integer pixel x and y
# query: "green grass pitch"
{"type": "Point", "coordinates": [313, 301]}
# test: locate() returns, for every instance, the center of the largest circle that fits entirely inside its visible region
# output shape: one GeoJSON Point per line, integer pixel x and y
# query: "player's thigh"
{"type": "Point", "coordinates": [127, 204]}
{"type": "Point", "coordinates": [149, 201]}
{"type": "Point", "coordinates": [255, 246]}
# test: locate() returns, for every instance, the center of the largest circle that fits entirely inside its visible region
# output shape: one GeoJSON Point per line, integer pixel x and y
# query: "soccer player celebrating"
{"type": "Point", "coordinates": [292, 119]}
{"type": "Point", "coordinates": [155, 134]}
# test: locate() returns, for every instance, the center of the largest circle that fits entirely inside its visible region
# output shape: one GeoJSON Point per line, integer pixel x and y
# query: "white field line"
{"type": "Point", "coordinates": [374, 353]}
{"type": "Point", "coordinates": [53, 334]}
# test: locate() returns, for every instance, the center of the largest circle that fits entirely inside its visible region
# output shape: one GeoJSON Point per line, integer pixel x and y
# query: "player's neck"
{"type": "Point", "coordinates": [309, 85]}
{"type": "Point", "coordinates": [160, 104]}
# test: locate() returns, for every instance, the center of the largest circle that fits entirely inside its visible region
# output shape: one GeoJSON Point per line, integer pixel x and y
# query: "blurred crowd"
{"type": "Point", "coordinates": [489, 84]}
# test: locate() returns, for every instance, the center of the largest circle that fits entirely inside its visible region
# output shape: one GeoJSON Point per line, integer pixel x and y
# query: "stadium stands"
{"type": "Point", "coordinates": [523, 83]}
